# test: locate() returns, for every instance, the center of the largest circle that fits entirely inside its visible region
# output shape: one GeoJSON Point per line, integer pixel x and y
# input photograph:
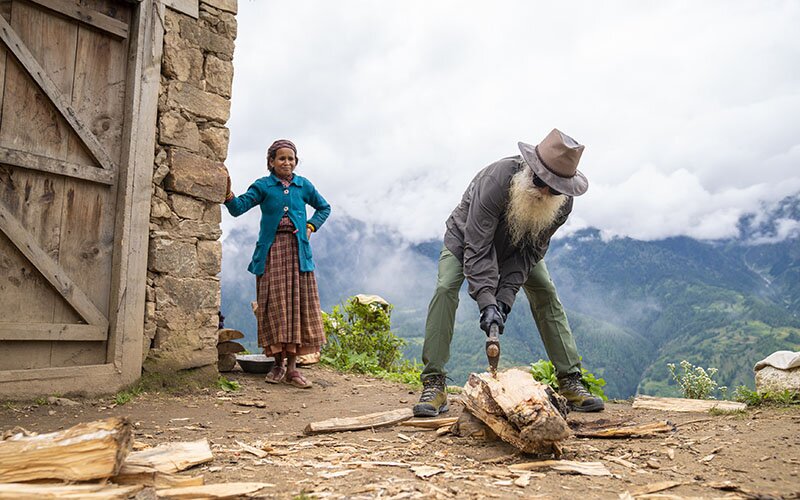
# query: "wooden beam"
{"type": "Point", "coordinates": [188, 7]}
{"type": "Point", "coordinates": [24, 56]}
{"type": "Point", "coordinates": [32, 161]}
{"type": "Point", "coordinates": [86, 15]}
{"type": "Point", "coordinates": [99, 373]}
{"type": "Point", "coordinates": [51, 331]}
{"type": "Point", "coordinates": [50, 269]}
{"type": "Point", "coordinates": [369, 421]}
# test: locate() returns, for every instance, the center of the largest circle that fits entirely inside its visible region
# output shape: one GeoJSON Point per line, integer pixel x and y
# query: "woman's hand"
{"type": "Point", "coordinates": [308, 233]}
{"type": "Point", "coordinates": [228, 193]}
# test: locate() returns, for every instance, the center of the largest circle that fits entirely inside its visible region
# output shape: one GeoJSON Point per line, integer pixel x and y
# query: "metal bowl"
{"type": "Point", "coordinates": [255, 363]}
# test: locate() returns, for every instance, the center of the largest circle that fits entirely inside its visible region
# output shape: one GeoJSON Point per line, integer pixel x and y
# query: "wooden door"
{"type": "Point", "coordinates": [69, 100]}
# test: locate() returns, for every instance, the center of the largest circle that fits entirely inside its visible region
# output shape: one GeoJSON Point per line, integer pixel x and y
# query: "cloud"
{"type": "Point", "coordinates": [688, 110]}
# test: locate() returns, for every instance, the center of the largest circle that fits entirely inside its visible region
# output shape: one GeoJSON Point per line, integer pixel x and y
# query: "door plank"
{"type": "Point", "coordinates": [50, 269]}
{"type": "Point", "coordinates": [51, 331]}
{"type": "Point", "coordinates": [86, 15]}
{"type": "Point", "coordinates": [40, 76]}
{"type": "Point", "coordinates": [41, 163]}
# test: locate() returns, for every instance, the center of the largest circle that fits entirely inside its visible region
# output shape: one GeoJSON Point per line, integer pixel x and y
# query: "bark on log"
{"type": "Point", "coordinates": [86, 451]}
{"type": "Point", "coordinates": [226, 362]}
{"type": "Point", "coordinates": [521, 411]}
{"type": "Point", "coordinates": [229, 347]}
{"type": "Point", "coordinates": [228, 334]}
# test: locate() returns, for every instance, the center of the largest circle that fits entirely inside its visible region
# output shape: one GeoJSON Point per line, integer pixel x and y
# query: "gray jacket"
{"type": "Point", "coordinates": [477, 234]}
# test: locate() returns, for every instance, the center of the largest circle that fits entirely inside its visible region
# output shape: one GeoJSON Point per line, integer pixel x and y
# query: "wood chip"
{"type": "Point", "coordinates": [246, 402]}
{"type": "Point", "coordinates": [585, 468]}
{"type": "Point", "coordinates": [523, 481]}
{"type": "Point", "coordinates": [654, 488]}
{"type": "Point", "coordinates": [252, 449]}
{"type": "Point", "coordinates": [426, 471]}
{"type": "Point", "coordinates": [212, 491]}
{"type": "Point", "coordinates": [339, 473]}
{"type": "Point", "coordinates": [620, 461]}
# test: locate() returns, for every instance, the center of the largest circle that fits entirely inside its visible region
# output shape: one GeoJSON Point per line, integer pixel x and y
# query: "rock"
{"type": "Point", "coordinates": [175, 130]}
{"type": "Point", "coordinates": [209, 257]}
{"type": "Point", "coordinates": [218, 75]}
{"type": "Point", "coordinates": [187, 294]}
{"type": "Point", "coordinates": [771, 379]}
{"type": "Point", "coordinates": [228, 334]}
{"type": "Point", "coordinates": [217, 139]}
{"type": "Point", "coordinates": [198, 102]}
{"type": "Point", "coordinates": [184, 64]}
{"type": "Point", "coordinates": [52, 400]}
{"type": "Point", "coordinates": [196, 176]}
{"type": "Point", "coordinates": [229, 347]}
{"type": "Point", "coordinates": [205, 39]}
{"type": "Point", "coordinates": [226, 5]}
{"type": "Point", "coordinates": [176, 257]}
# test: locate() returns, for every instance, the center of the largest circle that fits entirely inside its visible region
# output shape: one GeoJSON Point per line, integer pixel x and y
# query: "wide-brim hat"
{"type": "Point", "coordinates": [555, 161]}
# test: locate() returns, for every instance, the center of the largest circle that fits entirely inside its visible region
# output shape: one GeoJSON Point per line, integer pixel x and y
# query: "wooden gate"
{"type": "Point", "coordinates": [77, 126]}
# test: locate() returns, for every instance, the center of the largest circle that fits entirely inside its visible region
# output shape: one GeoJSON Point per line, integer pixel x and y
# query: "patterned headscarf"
{"type": "Point", "coordinates": [280, 143]}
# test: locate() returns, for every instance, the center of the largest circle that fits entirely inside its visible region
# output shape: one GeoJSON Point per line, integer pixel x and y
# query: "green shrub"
{"type": "Point", "coordinates": [360, 340]}
{"type": "Point", "coordinates": [754, 398]}
{"type": "Point", "coordinates": [545, 372]}
{"type": "Point", "coordinates": [696, 382]}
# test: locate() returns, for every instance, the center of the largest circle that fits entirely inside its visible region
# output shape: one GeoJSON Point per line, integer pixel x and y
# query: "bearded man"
{"type": "Point", "coordinates": [497, 238]}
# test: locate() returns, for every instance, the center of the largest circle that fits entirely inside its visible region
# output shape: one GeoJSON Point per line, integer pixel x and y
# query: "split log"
{"type": "Point", "coordinates": [569, 466]}
{"type": "Point", "coordinates": [28, 491]}
{"type": "Point", "coordinates": [229, 347]}
{"type": "Point", "coordinates": [686, 405]}
{"type": "Point", "coordinates": [228, 334]}
{"type": "Point", "coordinates": [521, 411]}
{"type": "Point", "coordinates": [148, 476]}
{"type": "Point", "coordinates": [86, 451]}
{"type": "Point", "coordinates": [226, 362]}
{"type": "Point", "coordinates": [212, 491]}
{"type": "Point", "coordinates": [628, 431]}
{"type": "Point", "coordinates": [430, 423]}
{"type": "Point", "coordinates": [369, 421]}
{"type": "Point", "coordinates": [169, 457]}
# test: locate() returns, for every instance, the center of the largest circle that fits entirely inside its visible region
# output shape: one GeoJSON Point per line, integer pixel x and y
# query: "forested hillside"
{"type": "Point", "coordinates": [634, 305]}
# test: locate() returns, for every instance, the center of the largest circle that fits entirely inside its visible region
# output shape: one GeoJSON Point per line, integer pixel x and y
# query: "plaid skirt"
{"type": "Point", "coordinates": [289, 314]}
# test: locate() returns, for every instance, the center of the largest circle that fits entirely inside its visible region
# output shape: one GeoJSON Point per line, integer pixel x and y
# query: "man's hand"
{"type": "Point", "coordinates": [491, 315]}
{"type": "Point", "coordinates": [504, 310]}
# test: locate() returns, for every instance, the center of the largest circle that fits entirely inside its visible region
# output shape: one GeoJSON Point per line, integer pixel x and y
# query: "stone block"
{"type": "Point", "coordinates": [198, 102]}
{"type": "Point", "coordinates": [205, 39]}
{"type": "Point", "coordinates": [226, 5]}
{"type": "Point", "coordinates": [175, 257]}
{"type": "Point", "coordinates": [217, 139]}
{"type": "Point", "coordinates": [196, 229]}
{"type": "Point", "coordinates": [209, 257]}
{"type": "Point", "coordinates": [218, 75]}
{"type": "Point", "coordinates": [213, 214]}
{"type": "Point", "coordinates": [184, 64]}
{"type": "Point", "coordinates": [187, 207]}
{"type": "Point", "coordinates": [159, 209]}
{"type": "Point", "coordinates": [176, 294]}
{"type": "Point", "coordinates": [196, 176]}
{"type": "Point", "coordinates": [175, 130]}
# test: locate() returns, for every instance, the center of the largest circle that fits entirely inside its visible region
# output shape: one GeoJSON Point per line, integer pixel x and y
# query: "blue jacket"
{"type": "Point", "coordinates": [275, 200]}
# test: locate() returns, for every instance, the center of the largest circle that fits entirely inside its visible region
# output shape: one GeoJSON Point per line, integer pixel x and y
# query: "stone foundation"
{"type": "Point", "coordinates": [185, 256]}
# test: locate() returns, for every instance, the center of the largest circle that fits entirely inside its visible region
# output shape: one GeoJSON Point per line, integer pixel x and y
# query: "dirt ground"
{"type": "Point", "coordinates": [756, 454]}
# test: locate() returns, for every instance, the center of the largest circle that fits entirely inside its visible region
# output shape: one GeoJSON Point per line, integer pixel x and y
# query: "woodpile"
{"type": "Point", "coordinates": [519, 410]}
{"type": "Point", "coordinates": [227, 348]}
{"type": "Point", "coordinates": [94, 460]}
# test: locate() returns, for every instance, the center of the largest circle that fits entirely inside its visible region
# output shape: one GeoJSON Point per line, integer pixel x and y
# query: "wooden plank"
{"type": "Point", "coordinates": [135, 181]}
{"type": "Point", "coordinates": [50, 331]}
{"type": "Point", "coordinates": [50, 269]}
{"type": "Point", "coordinates": [88, 379]}
{"type": "Point", "coordinates": [93, 450]}
{"type": "Point", "coordinates": [686, 405]}
{"type": "Point", "coordinates": [212, 491]}
{"type": "Point", "coordinates": [430, 423]}
{"type": "Point", "coordinates": [188, 7]}
{"type": "Point", "coordinates": [41, 77]}
{"type": "Point", "coordinates": [27, 491]}
{"type": "Point", "coordinates": [169, 457]}
{"type": "Point", "coordinates": [370, 421]}
{"type": "Point", "coordinates": [85, 15]}
{"type": "Point", "coordinates": [31, 161]}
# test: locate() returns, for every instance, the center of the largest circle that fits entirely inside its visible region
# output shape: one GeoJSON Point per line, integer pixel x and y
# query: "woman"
{"type": "Point", "coordinates": [289, 318]}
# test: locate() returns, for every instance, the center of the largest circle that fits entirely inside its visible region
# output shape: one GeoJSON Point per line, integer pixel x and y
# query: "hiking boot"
{"type": "Point", "coordinates": [433, 400]}
{"type": "Point", "coordinates": [578, 397]}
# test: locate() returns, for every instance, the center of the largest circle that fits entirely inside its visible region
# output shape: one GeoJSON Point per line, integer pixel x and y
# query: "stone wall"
{"type": "Point", "coordinates": [183, 290]}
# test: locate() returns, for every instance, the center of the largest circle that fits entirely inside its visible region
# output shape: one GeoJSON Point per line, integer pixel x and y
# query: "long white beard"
{"type": "Point", "coordinates": [529, 210]}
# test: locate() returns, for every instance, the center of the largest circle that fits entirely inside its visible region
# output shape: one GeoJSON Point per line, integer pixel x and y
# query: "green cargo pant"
{"type": "Point", "coordinates": [546, 309]}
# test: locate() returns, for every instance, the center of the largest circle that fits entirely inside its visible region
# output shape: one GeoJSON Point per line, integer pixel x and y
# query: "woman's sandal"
{"type": "Point", "coordinates": [296, 379]}
{"type": "Point", "coordinates": [275, 375]}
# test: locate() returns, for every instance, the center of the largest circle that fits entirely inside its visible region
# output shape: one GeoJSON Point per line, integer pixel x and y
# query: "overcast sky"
{"type": "Point", "coordinates": [690, 111]}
